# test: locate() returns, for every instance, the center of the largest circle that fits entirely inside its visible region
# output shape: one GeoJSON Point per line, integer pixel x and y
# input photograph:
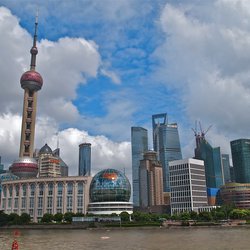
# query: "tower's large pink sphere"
{"type": "Point", "coordinates": [31, 80]}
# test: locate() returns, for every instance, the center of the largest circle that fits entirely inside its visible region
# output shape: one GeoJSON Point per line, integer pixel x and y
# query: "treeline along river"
{"type": "Point", "coordinates": [209, 238]}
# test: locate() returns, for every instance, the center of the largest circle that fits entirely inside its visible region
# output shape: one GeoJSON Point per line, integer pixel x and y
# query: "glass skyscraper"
{"type": "Point", "coordinates": [166, 143]}
{"type": "Point", "coordinates": [241, 160]}
{"type": "Point", "coordinates": [212, 160]}
{"type": "Point", "coordinates": [85, 159]}
{"type": "Point", "coordinates": [226, 167]}
{"type": "Point", "coordinates": [139, 145]}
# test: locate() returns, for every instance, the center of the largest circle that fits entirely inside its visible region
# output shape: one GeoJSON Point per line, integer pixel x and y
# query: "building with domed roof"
{"type": "Point", "coordinates": [109, 193]}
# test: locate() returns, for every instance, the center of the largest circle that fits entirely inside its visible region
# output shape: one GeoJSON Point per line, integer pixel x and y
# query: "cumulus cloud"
{"type": "Point", "coordinates": [206, 56]}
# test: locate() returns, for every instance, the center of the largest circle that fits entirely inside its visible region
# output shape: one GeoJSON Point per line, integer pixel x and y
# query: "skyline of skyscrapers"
{"type": "Point", "coordinates": [84, 168]}
{"type": "Point", "coordinates": [139, 145]}
{"type": "Point", "coordinates": [166, 143]}
{"type": "Point", "coordinates": [241, 160]}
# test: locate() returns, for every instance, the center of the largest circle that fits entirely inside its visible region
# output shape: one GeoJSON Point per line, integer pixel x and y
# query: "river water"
{"type": "Point", "coordinates": [130, 239]}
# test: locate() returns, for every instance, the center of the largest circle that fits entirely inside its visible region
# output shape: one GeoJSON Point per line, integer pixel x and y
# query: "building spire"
{"type": "Point", "coordinates": [34, 50]}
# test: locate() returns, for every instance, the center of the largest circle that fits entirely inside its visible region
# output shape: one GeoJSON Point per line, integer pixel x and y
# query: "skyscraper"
{"type": "Point", "coordinates": [188, 185]}
{"type": "Point", "coordinates": [139, 145]}
{"type": "Point", "coordinates": [166, 143]}
{"type": "Point", "coordinates": [151, 181]}
{"type": "Point", "coordinates": [241, 160]}
{"type": "Point", "coordinates": [226, 167]}
{"type": "Point", "coordinates": [212, 160]}
{"type": "Point", "coordinates": [31, 81]}
{"type": "Point", "coordinates": [85, 159]}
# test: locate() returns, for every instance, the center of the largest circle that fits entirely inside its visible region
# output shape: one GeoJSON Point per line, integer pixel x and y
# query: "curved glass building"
{"type": "Point", "coordinates": [110, 192]}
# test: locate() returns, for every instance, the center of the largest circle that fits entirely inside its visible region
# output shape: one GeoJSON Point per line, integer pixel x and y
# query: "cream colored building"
{"type": "Point", "coordinates": [37, 196]}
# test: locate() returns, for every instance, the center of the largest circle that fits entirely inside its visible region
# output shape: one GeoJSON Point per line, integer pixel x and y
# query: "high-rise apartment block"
{"type": "Point", "coordinates": [150, 181]}
{"type": "Point", "coordinates": [139, 145]}
{"type": "Point", "coordinates": [188, 185]}
{"type": "Point", "coordinates": [241, 160]}
{"type": "Point", "coordinates": [48, 164]}
{"type": "Point", "coordinates": [85, 159]}
{"type": "Point", "coordinates": [166, 143]}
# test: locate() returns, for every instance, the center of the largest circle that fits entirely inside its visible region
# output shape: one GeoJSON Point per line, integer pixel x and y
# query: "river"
{"type": "Point", "coordinates": [130, 239]}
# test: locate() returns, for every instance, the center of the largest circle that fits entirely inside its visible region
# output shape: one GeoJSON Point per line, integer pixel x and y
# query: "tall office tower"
{"type": "Point", "coordinates": [212, 160]}
{"type": "Point", "coordinates": [150, 181]}
{"type": "Point", "coordinates": [85, 159]}
{"type": "Point", "coordinates": [166, 143]}
{"type": "Point", "coordinates": [241, 160]}
{"type": "Point", "coordinates": [187, 185]}
{"type": "Point", "coordinates": [139, 145]}
{"type": "Point", "coordinates": [31, 81]}
{"type": "Point", "coordinates": [1, 167]}
{"type": "Point", "coordinates": [226, 167]}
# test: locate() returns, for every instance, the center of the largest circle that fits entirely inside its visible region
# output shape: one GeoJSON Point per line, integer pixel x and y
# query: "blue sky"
{"type": "Point", "coordinates": [110, 64]}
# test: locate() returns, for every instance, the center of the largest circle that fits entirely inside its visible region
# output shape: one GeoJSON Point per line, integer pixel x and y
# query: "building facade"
{"type": "Point", "coordinates": [151, 181]}
{"type": "Point", "coordinates": [37, 196]}
{"type": "Point", "coordinates": [241, 160]}
{"type": "Point", "coordinates": [226, 167]}
{"type": "Point", "coordinates": [237, 194]}
{"type": "Point", "coordinates": [187, 185]}
{"type": "Point", "coordinates": [213, 162]}
{"type": "Point", "coordinates": [84, 159]}
{"type": "Point", "coordinates": [48, 164]}
{"type": "Point", "coordinates": [139, 145]}
{"type": "Point", "coordinates": [166, 143]}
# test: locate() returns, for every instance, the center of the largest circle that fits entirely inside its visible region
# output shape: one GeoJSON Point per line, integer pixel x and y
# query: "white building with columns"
{"type": "Point", "coordinates": [37, 196]}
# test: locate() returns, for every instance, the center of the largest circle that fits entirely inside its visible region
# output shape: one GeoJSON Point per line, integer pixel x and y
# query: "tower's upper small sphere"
{"type": "Point", "coordinates": [110, 185]}
{"type": "Point", "coordinates": [31, 80]}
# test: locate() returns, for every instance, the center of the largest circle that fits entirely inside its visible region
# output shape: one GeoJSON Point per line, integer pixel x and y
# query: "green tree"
{"type": "Point", "coordinates": [3, 219]}
{"type": "Point", "coordinates": [68, 216]}
{"type": "Point", "coordinates": [47, 218]}
{"type": "Point", "coordinates": [124, 216]}
{"type": "Point", "coordinates": [25, 218]}
{"type": "Point", "coordinates": [14, 219]}
{"type": "Point", "coordinates": [58, 217]}
{"type": "Point", "coordinates": [193, 215]}
{"type": "Point", "coordinates": [238, 214]}
{"type": "Point", "coordinates": [205, 216]}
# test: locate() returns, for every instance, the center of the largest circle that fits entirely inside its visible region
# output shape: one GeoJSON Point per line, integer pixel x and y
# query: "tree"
{"type": "Point", "coordinates": [58, 217]}
{"type": "Point", "coordinates": [124, 216]}
{"type": "Point", "coordinates": [14, 219]}
{"type": "Point", "coordinates": [193, 215]}
{"type": "Point", "coordinates": [3, 219]}
{"type": "Point", "coordinates": [68, 216]}
{"type": "Point", "coordinates": [205, 216]}
{"type": "Point", "coordinates": [185, 216]}
{"type": "Point", "coordinates": [25, 218]}
{"type": "Point", "coordinates": [47, 218]}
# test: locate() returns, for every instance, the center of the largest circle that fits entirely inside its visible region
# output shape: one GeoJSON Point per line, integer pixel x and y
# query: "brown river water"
{"type": "Point", "coordinates": [130, 239]}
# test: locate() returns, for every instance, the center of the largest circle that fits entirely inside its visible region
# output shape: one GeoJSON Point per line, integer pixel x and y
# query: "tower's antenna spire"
{"type": "Point", "coordinates": [34, 50]}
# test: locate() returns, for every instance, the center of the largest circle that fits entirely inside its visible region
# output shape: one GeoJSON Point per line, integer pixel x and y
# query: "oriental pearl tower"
{"type": "Point", "coordinates": [31, 81]}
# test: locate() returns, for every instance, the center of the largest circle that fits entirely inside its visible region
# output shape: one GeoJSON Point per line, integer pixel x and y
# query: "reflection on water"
{"type": "Point", "coordinates": [130, 239]}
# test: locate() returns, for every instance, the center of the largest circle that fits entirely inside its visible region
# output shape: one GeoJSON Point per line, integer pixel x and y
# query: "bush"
{"type": "Point", "coordinates": [47, 218]}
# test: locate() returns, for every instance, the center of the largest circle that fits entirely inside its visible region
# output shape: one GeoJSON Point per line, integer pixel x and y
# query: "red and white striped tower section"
{"type": "Point", "coordinates": [31, 81]}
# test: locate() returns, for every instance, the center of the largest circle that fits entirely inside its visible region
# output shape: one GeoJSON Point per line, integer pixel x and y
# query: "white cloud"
{"type": "Point", "coordinates": [206, 56]}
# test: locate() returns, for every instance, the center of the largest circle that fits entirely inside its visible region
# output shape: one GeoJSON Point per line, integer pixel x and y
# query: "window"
{"type": "Point", "coordinates": [10, 191]}
{"type": "Point", "coordinates": [41, 188]}
{"type": "Point", "coordinates": [24, 189]}
{"type": "Point", "coordinates": [39, 212]}
{"type": "Point", "coordinates": [80, 188]}
{"type": "Point", "coordinates": [17, 190]}
{"type": "Point", "coordinates": [59, 201]}
{"type": "Point", "coordinates": [59, 188]}
{"type": "Point", "coordinates": [79, 201]}
{"type": "Point", "coordinates": [9, 203]}
{"type": "Point", "coordinates": [69, 201]}
{"type": "Point", "coordinates": [70, 188]}
{"type": "Point", "coordinates": [40, 202]}
{"type": "Point", "coordinates": [16, 203]}
{"type": "Point", "coordinates": [49, 202]}
{"type": "Point", "coordinates": [23, 202]}
{"type": "Point", "coordinates": [50, 189]}
{"type": "Point", "coordinates": [3, 204]}
{"type": "Point", "coordinates": [32, 189]}
{"type": "Point", "coordinates": [31, 202]}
